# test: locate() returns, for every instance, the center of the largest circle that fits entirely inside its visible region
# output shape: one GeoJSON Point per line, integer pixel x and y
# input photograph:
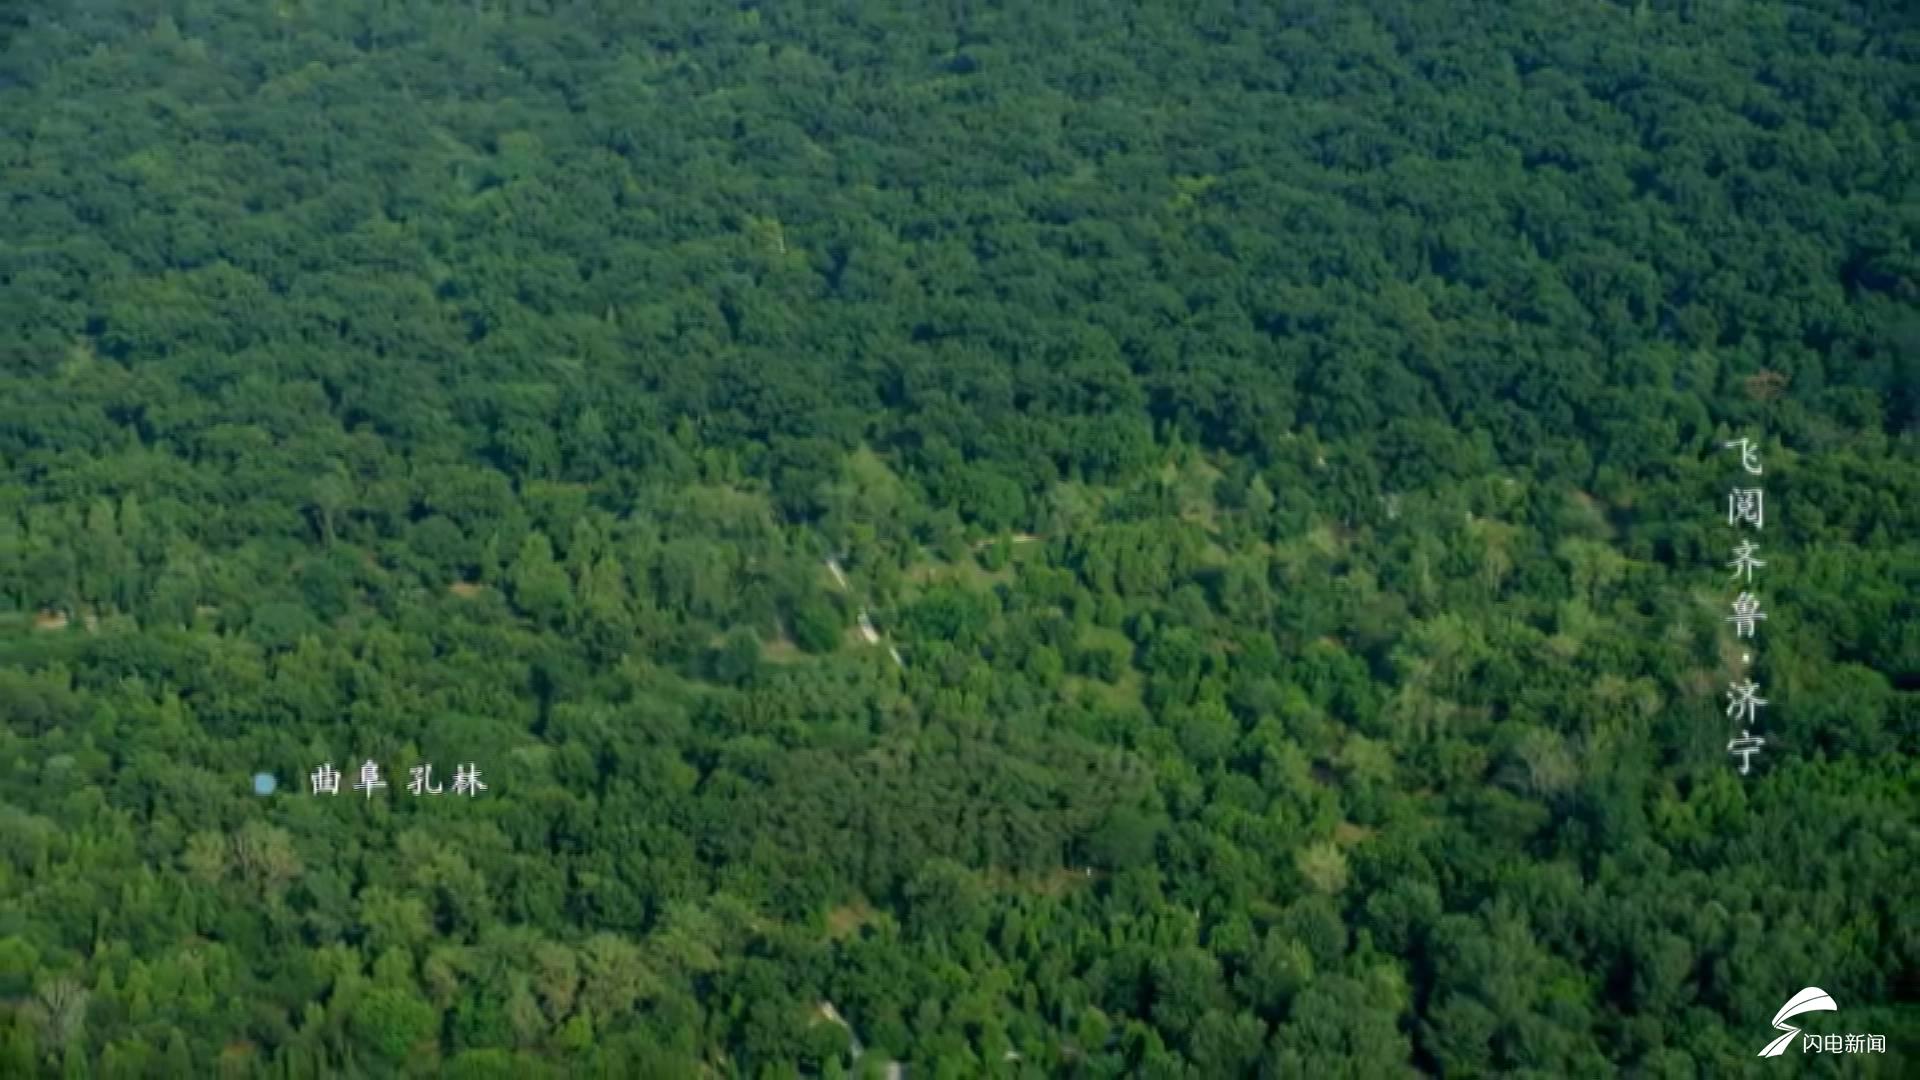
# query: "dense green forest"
{"type": "Point", "coordinates": [1278, 448]}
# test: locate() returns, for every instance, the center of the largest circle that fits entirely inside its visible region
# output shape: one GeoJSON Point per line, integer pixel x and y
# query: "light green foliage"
{"type": "Point", "coordinates": [1282, 441]}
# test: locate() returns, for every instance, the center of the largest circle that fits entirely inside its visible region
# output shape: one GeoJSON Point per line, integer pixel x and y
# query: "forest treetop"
{"type": "Point", "coordinates": [1283, 442]}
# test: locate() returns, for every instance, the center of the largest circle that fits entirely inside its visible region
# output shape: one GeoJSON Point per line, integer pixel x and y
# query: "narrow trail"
{"type": "Point", "coordinates": [868, 632]}
{"type": "Point", "coordinates": [894, 1070]}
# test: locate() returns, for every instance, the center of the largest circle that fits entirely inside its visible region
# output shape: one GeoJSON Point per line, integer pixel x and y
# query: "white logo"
{"type": "Point", "coordinates": [1814, 999]}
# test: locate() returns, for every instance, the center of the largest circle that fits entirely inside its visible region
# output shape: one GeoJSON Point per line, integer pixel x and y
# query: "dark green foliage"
{"type": "Point", "coordinates": [817, 626]}
{"type": "Point", "coordinates": [1282, 441]}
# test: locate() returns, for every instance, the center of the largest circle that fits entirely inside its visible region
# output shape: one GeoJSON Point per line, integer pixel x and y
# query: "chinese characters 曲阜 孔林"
{"type": "Point", "coordinates": [325, 780]}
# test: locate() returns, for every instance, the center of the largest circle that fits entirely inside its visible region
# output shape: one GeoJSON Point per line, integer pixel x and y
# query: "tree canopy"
{"type": "Point", "coordinates": [1113, 539]}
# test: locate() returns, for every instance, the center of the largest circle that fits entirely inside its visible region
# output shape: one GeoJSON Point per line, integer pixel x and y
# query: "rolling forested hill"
{"type": "Point", "coordinates": [1278, 449]}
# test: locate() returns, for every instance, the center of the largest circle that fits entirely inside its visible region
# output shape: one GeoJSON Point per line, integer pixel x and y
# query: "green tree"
{"type": "Point", "coordinates": [539, 586]}
{"type": "Point", "coordinates": [816, 625]}
{"type": "Point", "coordinates": [390, 1021]}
